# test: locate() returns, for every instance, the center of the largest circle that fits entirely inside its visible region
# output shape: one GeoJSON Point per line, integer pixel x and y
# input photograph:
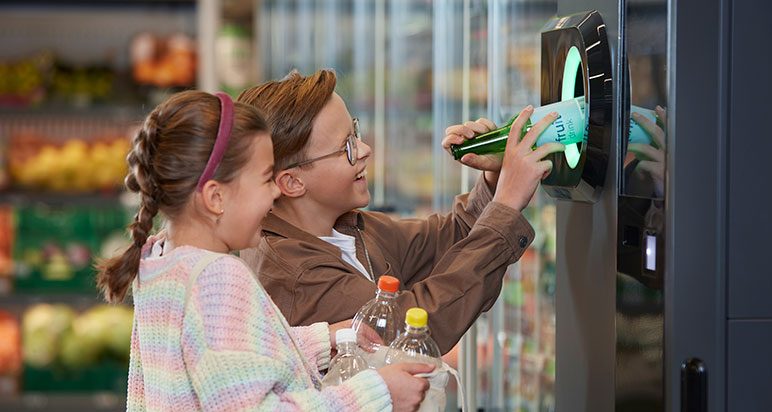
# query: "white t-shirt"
{"type": "Point", "coordinates": [348, 250]}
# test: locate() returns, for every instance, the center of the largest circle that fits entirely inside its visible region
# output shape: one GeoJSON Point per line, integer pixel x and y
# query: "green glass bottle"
{"type": "Point", "coordinates": [569, 128]}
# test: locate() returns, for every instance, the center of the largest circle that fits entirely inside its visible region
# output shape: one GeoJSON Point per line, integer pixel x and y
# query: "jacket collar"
{"type": "Point", "coordinates": [275, 225]}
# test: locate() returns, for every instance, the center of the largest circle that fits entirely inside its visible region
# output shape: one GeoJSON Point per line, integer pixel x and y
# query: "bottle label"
{"type": "Point", "coordinates": [637, 133]}
{"type": "Point", "coordinates": [570, 126]}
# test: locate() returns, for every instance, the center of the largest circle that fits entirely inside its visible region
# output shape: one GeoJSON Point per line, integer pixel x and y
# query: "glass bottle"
{"type": "Point", "coordinates": [568, 128]}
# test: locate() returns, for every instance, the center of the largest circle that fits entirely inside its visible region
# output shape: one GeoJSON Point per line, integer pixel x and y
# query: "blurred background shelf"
{"type": "Point", "coordinates": [64, 402]}
{"type": "Point", "coordinates": [76, 80]}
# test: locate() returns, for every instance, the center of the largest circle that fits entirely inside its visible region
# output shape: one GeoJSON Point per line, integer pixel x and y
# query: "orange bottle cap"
{"type": "Point", "coordinates": [388, 283]}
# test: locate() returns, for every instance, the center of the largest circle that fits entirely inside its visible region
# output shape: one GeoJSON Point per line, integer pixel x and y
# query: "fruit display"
{"type": "Point", "coordinates": [64, 350]}
{"type": "Point", "coordinates": [41, 77]}
{"type": "Point", "coordinates": [6, 241]}
{"type": "Point", "coordinates": [82, 85]}
{"type": "Point", "coordinates": [77, 165]}
{"type": "Point", "coordinates": [55, 248]}
{"type": "Point", "coordinates": [163, 61]}
{"type": "Point", "coordinates": [55, 335]}
{"type": "Point", "coordinates": [24, 82]}
{"type": "Point", "coordinates": [10, 345]}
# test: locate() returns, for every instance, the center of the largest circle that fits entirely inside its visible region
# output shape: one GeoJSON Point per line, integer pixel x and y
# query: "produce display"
{"type": "Point", "coordinates": [25, 81]}
{"type": "Point", "coordinates": [64, 350]}
{"type": "Point", "coordinates": [74, 82]}
{"type": "Point", "coordinates": [10, 345]}
{"type": "Point", "coordinates": [76, 165]}
{"type": "Point", "coordinates": [163, 61]}
{"type": "Point", "coordinates": [56, 335]}
{"type": "Point", "coordinates": [55, 248]}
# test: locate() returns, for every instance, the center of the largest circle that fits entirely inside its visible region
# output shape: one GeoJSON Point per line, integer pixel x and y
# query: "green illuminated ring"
{"type": "Point", "coordinates": [571, 67]}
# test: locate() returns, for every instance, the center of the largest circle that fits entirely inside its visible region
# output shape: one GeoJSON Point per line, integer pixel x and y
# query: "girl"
{"type": "Point", "coordinates": [206, 335]}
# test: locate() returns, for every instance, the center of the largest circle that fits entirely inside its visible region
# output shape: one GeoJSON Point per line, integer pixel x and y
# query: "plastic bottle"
{"type": "Point", "coordinates": [380, 313]}
{"type": "Point", "coordinates": [347, 362]}
{"type": "Point", "coordinates": [415, 344]}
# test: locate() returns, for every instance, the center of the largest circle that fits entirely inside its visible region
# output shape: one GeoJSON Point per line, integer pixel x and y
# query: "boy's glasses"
{"type": "Point", "coordinates": [350, 149]}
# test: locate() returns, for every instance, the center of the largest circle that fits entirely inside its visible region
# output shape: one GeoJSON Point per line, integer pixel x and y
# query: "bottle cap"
{"type": "Point", "coordinates": [416, 317]}
{"type": "Point", "coordinates": [345, 335]}
{"type": "Point", "coordinates": [388, 283]}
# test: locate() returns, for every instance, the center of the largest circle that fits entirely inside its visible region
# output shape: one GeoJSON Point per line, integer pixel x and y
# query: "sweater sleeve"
{"type": "Point", "coordinates": [314, 343]}
{"type": "Point", "coordinates": [240, 356]}
{"type": "Point", "coordinates": [135, 397]}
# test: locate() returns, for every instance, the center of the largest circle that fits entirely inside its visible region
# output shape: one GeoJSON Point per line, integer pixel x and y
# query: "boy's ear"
{"type": "Point", "coordinates": [289, 184]}
{"type": "Point", "coordinates": [212, 197]}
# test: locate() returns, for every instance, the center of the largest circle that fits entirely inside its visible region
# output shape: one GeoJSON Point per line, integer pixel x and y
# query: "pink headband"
{"type": "Point", "coordinates": [221, 141]}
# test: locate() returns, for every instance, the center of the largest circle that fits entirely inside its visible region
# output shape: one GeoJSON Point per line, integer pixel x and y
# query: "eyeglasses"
{"type": "Point", "coordinates": [350, 149]}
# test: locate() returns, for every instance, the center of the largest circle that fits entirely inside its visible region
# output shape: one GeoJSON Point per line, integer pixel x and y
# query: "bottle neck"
{"type": "Point", "coordinates": [384, 295]}
{"type": "Point", "coordinates": [346, 347]}
{"type": "Point", "coordinates": [410, 330]}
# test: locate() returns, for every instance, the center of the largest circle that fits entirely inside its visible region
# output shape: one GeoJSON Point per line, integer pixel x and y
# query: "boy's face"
{"type": "Point", "coordinates": [332, 183]}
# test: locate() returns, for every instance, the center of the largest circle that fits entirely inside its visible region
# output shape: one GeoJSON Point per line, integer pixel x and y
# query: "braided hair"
{"type": "Point", "coordinates": [168, 155]}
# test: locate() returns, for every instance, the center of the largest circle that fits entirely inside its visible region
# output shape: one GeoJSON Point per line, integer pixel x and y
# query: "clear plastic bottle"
{"type": "Point", "coordinates": [380, 314]}
{"type": "Point", "coordinates": [415, 344]}
{"type": "Point", "coordinates": [347, 362]}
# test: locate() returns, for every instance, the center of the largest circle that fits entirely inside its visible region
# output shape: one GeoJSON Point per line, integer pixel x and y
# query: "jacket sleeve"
{"type": "Point", "coordinates": [417, 245]}
{"type": "Point", "coordinates": [238, 359]}
{"type": "Point", "coordinates": [464, 281]}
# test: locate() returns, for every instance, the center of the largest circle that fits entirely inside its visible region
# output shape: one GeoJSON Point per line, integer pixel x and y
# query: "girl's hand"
{"type": "Point", "coordinates": [367, 338]}
{"type": "Point", "coordinates": [407, 391]}
{"type": "Point", "coordinates": [334, 328]}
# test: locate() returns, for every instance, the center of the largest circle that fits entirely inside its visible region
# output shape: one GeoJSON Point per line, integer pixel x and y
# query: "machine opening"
{"type": "Point", "coordinates": [573, 86]}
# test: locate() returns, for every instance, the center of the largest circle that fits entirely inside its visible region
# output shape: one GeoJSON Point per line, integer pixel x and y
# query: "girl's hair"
{"type": "Point", "coordinates": [290, 105]}
{"type": "Point", "coordinates": [167, 157]}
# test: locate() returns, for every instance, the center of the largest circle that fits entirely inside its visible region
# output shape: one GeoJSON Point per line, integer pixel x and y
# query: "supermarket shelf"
{"type": "Point", "coordinates": [115, 111]}
{"type": "Point", "coordinates": [63, 402]}
{"type": "Point", "coordinates": [102, 3]}
{"type": "Point", "coordinates": [72, 299]}
{"type": "Point", "coordinates": [26, 198]}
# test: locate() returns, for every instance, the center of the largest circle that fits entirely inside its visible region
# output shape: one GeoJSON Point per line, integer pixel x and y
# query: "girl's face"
{"type": "Point", "coordinates": [249, 197]}
{"type": "Point", "coordinates": [332, 183]}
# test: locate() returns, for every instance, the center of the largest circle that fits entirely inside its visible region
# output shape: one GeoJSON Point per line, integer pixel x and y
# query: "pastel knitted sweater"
{"type": "Point", "coordinates": [207, 337]}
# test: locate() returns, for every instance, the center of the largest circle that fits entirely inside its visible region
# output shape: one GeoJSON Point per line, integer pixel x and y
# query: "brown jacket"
{"type": "Point", "coordinates": [451, 265]}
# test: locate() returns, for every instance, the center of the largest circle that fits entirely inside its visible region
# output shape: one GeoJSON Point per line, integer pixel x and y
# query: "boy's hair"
{"type": "Point", "coordinates": [290, 106]}
{"type": "Point", "coordinates": [167, 157]}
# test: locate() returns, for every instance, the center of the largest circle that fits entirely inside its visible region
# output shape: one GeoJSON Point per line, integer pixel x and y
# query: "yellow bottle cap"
{"type": "Point", "coordinates": [416, 317]}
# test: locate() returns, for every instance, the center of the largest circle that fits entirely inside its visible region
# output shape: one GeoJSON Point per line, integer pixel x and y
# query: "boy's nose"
{"type": "Point", "coordinates": [363, 150]}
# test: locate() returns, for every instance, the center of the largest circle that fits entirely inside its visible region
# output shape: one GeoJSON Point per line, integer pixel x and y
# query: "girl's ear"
{"type": "Point", "coordinates": [212, 197]}
{"type": "Point", "coordinates": [289, 184]}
